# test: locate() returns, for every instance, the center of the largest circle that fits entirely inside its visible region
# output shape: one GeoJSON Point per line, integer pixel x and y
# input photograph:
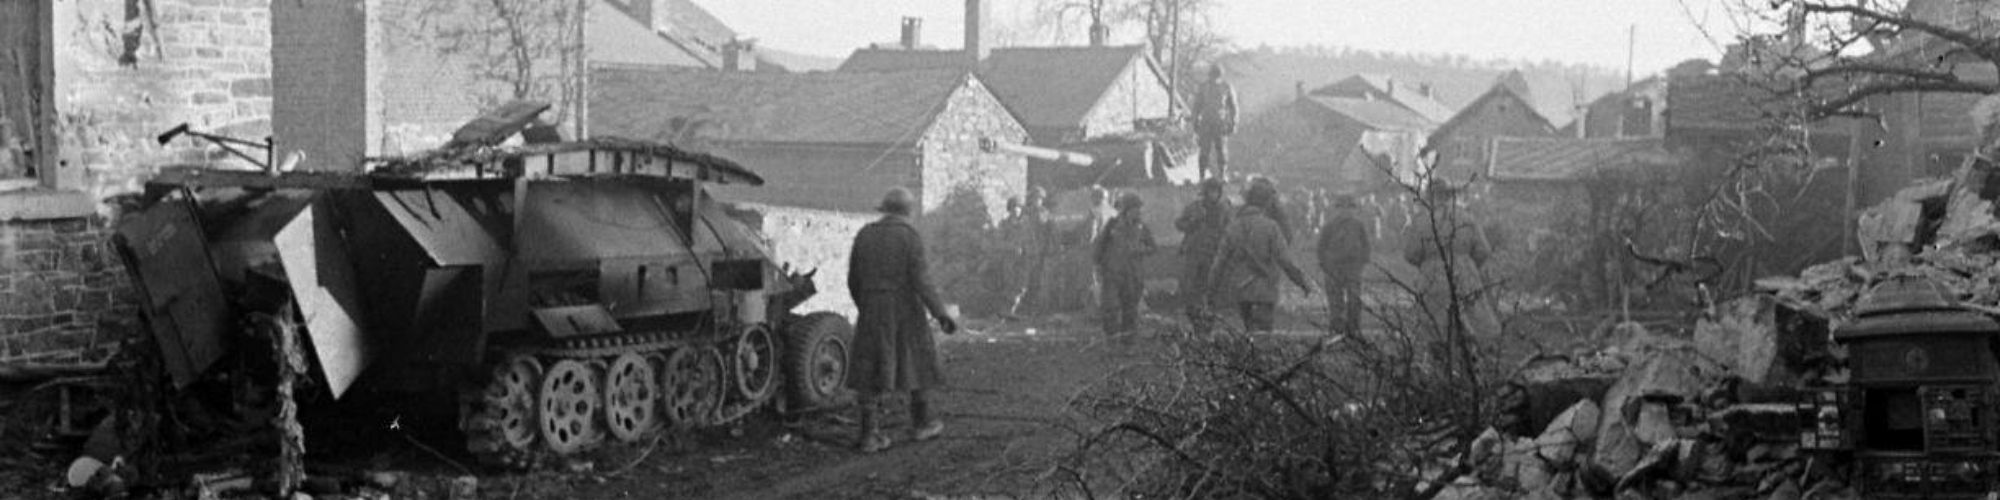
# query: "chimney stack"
{"type": "Point", "coordinates": [1299, 87]}
{"type": "Point", "coordinates": [1099, 34]}
{"type": "Point", "coordinates": [1425, 89]}
{"type": "Point", "coordinates": [913, 28]}
{"type": "Point", "coordinates": [975, 33]}
{"type": "Point", "coordinates": [739, 55]}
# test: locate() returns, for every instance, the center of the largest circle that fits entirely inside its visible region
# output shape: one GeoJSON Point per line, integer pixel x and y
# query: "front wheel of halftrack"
{"type": "Point", "coordinates": [570, 402]}
{"type": "Point", "coordinates": [500, 419]}
{"type": "Point", "coordinates": [756, 364]}
{"type": "Point", "coordinates": [692, 381]}
{"type": "Point", "coordinates": [815, 361]}
{"type": "Point", "coordinates": [631, 397]}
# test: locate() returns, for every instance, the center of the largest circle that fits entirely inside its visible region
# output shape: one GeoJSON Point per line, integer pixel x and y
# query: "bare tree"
{"type": "Point", "coordinates": [1832, 56]}
{"type": "Point", "coordinates": [1180, 35]}
{"type": "Point", "coordinates": [1062, 14]}
{"type": "Point", "coordinates": [532, 49]}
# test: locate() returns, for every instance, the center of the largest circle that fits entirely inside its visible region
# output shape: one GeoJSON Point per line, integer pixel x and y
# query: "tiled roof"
{"type": "Point", "coordinates": [822, 107]}
{"type": "Point", "coordinates": [615, 37]}
{"type": "Point", "coordinates": [1566, 158]}
{"type": "Point", "coordinates": [1054, 87]}
{"type": "Point", "coordinates": [1383, 86]}
{"type": "Point", "coordinates": [1377, 114]}
{"type": "Point", "coordinates": [872, 59]}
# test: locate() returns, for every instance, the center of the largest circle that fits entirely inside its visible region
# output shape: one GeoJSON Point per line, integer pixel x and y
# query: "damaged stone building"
{"type": "Point", "coordinates": [80, 108]}
{"type": "Point", "coordinates": [87, 87]}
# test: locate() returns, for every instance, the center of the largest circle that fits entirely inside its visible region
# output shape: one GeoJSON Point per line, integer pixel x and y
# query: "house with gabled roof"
{"type": "Point", "coordinates": [1416, 97]}
{"type": "Point", "coordinates": [1463, 145]}
{"type": "Point", "coordinates": [826, 140]}
{"type": "Point", "coordinates": [1346, 137]}
{"type": "Point", "coordinates": [1111, 102]}
{"type": "Point", "coordinates": [679, 33]}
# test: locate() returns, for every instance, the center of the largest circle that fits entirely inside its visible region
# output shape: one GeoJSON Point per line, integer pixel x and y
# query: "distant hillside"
{"type": "Point", "coordinates": [1265, 76]}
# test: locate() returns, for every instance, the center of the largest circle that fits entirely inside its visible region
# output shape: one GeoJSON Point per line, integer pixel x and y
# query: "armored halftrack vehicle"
{"type": "Point", "coordinates": [568, 293]}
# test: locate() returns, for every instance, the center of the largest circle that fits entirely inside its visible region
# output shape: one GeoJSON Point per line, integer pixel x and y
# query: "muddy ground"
{"type": "Point", "coordinates": [1005, 410]}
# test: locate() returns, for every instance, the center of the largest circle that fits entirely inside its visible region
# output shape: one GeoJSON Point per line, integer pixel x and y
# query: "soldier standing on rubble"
{"type": "Point", "coordinates": [893, 347]}
{"type": "Point", "coordinates": [1124, 244]}
{"type": "Point", "coordinates": [1253, 253]}
{"type": "Point", "coordinates": [1214, 121]}
{"type": "Point", "coordinates": [1344, 246]}
{"type": "Point", "coordinates": [1201, 225]}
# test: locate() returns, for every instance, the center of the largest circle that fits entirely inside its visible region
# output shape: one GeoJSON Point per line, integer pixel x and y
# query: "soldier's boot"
{"type": "Point", "coordinates": [870, 438]}
{"type": "Point", "coordinates": [923, 425]}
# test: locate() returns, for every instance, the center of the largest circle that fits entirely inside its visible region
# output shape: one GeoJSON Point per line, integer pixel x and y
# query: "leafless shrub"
{"type": "Point", "coordinates": [1384, 413]}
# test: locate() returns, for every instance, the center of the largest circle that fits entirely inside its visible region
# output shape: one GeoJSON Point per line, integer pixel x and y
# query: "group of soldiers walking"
{"type": "Point", "coordinates": [1232, 257]}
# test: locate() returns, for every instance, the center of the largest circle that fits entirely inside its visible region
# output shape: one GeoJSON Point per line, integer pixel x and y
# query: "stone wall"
{"type": "Point", "coordinates": [206, 63]}
{"type": "Point", "coordinates": [808, 239]}
{"type": "Point", "coordinates": [953, 156]}
{"type": "Point", "coordinates": [63, 293]}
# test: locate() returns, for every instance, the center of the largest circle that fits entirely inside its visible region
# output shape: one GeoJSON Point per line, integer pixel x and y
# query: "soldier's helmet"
{"type": "Point", "coordinates": [1212, 184]}
{"type": "Point", "coordinates": [1130, 201]}
{"type": "Point", "coordinates": [1260, 194]}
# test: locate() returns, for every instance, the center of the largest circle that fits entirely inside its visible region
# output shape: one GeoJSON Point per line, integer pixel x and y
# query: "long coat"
{"type": "Point", "coordinates": [891, 285]}
{"type": "Point", "coordinates": [1466, 249]}
{"type": "Point", "coordinates": [1254, 252]}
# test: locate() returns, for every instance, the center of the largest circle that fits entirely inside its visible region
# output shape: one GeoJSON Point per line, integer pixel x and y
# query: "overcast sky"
{"type": "Point", "coordinates": [1581, 31]}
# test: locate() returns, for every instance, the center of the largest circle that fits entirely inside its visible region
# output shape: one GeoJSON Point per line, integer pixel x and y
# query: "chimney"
{"type": "Point", "coordinates": [1299, 87]}
{"type": "Point", "coordinates": [641, 10]}
{"type": "Point", "coordinates": [1392, 86]}
{"type": "Point", "coordinates": [739, 55]}
{"type": "Point", "coordinates": [1424, 89]}
{"type": "Point", "coordinates": [1099, 33]}
{"type": "Point", "coordinates": [913, 28]}
{"type": "Point", "coordinates": [975, 32]}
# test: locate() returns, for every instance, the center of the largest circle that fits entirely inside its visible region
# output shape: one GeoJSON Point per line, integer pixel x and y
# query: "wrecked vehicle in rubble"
{"type": "Point", "coordinates": [567, 293]}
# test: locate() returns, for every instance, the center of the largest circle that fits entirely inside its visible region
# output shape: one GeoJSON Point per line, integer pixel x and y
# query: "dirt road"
{"type": "Point", "coordinates": [1005, 422]}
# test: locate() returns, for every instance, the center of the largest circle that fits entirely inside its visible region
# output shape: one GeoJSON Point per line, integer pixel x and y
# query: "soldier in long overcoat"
{"type": "Point", "coordinates": [1121, 249]}
{"type": "Point", "coordinates": [893, 347]}
{"type": "Point", "coordinates": [1450, 251]}
{"type": "Point", "coordinates": [1201, 224]}
{"type": "Point", "coordinates": [1254, 253]}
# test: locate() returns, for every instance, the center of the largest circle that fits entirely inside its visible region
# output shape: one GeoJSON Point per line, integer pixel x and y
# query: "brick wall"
{"type": "Point", "coordinates": [812, 239]}
{"type": "Point", "coordinates": [953, 156]}
{"type": "Point", "coordinates": [63, 293]}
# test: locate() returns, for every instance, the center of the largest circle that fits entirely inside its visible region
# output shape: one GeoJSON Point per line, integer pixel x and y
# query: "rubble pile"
{"type": "Point", "coordinates": [1657, 416]}
{"type": "Point", "coordinates": [1715, 414]}
{"type": "Point", "coordinates": [1941, 229]}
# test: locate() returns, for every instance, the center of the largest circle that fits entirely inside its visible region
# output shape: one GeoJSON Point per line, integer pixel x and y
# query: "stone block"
{"type": "Point", "coordinates": [210, 98]}
{"type": "Point", "coordinates": [251, 87]}
{"type": "Point", "coordinates": [1655, 423]}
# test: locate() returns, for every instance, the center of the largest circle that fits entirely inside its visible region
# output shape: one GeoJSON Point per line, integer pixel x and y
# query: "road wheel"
{"type": "Point", "coordinates": [756, 364]}
{"type": "Point", "coordinates": [500, 419]}
{"type": "Point", "coordinates": [631, 397]}
{"type": "Point", "coordinates": [816, 350]}
{"type": "Point", "coordinates": [570, 401]}
{"type": "Point", "coordinates": [692, 379]}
